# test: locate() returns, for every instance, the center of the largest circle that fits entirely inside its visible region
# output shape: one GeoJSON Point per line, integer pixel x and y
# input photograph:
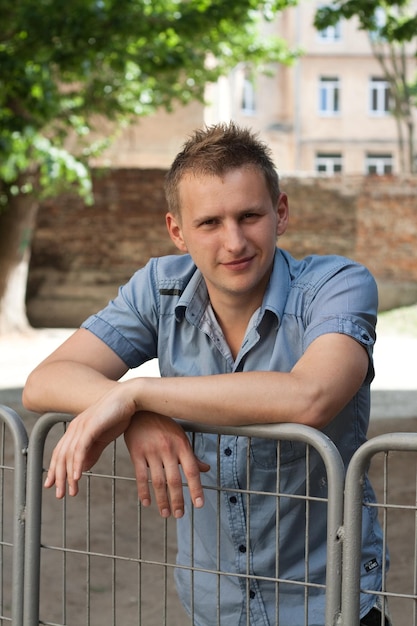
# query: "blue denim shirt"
{"type": "Point", "coordinates": [163, 311]}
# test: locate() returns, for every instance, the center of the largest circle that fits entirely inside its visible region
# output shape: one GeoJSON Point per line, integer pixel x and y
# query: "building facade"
{"type": "Point", "coordinates": [326, 114]}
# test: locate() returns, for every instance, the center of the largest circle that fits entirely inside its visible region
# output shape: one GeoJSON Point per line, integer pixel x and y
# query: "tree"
{"type": "Point", "coordinates": [66, 66]}
{"type": "Point", "coordinates": [392, 30]}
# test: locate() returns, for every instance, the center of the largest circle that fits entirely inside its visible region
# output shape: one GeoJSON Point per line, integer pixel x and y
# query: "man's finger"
{"type": "Point", "coordinates": [159, 485]}
{"type": "Point", "coordinates": [192, 469]}
{"type": "Point", "coordinates": [142, 481]}
{"type": "Point", "coordinates": [175, 488]}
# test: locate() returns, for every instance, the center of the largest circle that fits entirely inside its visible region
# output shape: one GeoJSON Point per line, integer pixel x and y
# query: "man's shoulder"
{"type": "Point", "coordinates": [175, 267]}
{"type": "Point", "coordinates": [332, 273]}
{"type": "Point", "coordinates": [318, 265]}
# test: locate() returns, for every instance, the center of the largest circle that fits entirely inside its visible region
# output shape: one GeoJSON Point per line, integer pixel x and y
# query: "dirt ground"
{"type": "Point", "coordinates": [111, 597]}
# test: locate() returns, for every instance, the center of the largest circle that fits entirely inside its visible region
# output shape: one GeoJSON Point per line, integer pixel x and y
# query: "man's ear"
{"type": "Point", "coordinates": [282, 213]}
{"type": "Point", "coordinates": [175, 231]}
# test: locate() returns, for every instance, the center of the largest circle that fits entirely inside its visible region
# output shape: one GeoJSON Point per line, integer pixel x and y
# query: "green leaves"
{"type": "Point", "coordinates": [391, 20]}
{"type": "Point", "coordinates": [63, 65]}
{"type": "Point", "coordinates": [52, 168]}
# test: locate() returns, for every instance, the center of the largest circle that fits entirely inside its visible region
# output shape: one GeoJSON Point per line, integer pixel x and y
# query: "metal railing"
{"type": "Point", "coordinates": [103, 558]}
{"type": "Point", "coordinates": [391, 505]}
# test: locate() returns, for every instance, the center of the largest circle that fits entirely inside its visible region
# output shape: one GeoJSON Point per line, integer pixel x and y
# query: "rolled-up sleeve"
{"type": "Point", "coordinates": [347, 303]}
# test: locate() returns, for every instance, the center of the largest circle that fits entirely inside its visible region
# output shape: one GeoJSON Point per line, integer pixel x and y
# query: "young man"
{"type": "Point", "coordinates": [244, 334]}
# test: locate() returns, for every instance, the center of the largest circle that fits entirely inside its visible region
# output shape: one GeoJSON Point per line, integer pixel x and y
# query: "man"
{"type": "Point", "coordinates": [297, 337]}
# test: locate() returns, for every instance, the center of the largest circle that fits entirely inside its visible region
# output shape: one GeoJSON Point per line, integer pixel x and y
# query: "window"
{"type": "Point", "coordinates": [331, 33]}
{"type": "Point", "coordinates": [379, 164]}
{"type": "Point", "coordinates": [248, 95]}
{"type": "Point", "coordinates": [380, 21]}
{"type": "Point", "coordinates": [328, 163]}
{"type": "Point", "coordinates": [329, 95]}
{"type": "Point", "coordinates": [379, 96]}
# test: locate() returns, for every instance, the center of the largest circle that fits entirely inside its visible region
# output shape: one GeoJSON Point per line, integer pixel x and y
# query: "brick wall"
{"type": "Point", "coordinates": [82, 254]}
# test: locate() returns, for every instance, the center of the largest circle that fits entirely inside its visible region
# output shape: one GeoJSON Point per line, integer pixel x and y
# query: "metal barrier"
{"type": "Point", "coordinates": [390, 505]}
{"type": "Point", "coordinates": [12, 524]}
{"type": "Point", "coordinates": [101, 558]}
{"type": "Point", "coordinates": [91, 556]}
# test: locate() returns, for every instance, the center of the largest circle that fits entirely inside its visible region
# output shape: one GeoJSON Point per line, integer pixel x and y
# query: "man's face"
{"type": "Point", "coordinates": [229, 226]}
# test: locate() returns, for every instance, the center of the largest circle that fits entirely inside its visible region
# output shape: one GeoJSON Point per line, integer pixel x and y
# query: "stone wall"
{"type": "Point", "coordinates": [81, 254]}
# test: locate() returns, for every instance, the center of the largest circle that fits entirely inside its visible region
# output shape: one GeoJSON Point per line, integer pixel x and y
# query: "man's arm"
{"type": "Point", "coordinates": [320, 384]}
{"type": "Point", "coordinates": [323, 381]}
{"type": "Point", "coordinates": [74, 376]}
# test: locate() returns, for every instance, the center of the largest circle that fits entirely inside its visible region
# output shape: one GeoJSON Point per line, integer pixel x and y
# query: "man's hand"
{"type": "Point", "coordinates": [160, 444]}
{"type": "Point", "coordinates": [85, 439]}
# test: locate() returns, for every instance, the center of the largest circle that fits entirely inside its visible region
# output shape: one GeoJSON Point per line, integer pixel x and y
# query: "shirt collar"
{"type": "Point", "coordinates": [278, 287]}
{"type": "Point", "coordinates": [194, 299]}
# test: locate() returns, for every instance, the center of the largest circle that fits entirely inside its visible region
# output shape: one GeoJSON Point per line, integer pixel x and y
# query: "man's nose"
{"type": "Point", "coordinates": [234, 237]}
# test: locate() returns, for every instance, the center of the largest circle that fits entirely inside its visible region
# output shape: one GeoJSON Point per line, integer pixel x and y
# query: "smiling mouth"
{"type": "Point", "coordinates": [239, 263]}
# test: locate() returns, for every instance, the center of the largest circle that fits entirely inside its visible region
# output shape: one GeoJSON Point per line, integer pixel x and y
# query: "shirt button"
{"type": "Point", "coordinates": [228, 452]}
{"type": "Point", "coordinates": [252, 594]}
{"type": "Point", "coordinates": [233, 499]}
{"type": "Point", "coordinates": [242, 549]}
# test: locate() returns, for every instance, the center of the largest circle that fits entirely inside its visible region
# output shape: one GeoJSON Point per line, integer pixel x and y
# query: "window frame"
{"type": "Point", "coordinates": [378, 96]}
{"type": "Point", "coordinates": [329, 91]}
{"type": "Point", "coordinates": [381, 164]}
{"type": "Point", "coordinates": [248, 96]}
{"type": "Point", "coordinates": [332, 161]}
{"type": "Point", "coordinates": [331, 34]}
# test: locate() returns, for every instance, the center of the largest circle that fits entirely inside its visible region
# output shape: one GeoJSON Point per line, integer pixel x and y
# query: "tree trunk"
{"type": "Point", "coordinates": [17, 221]}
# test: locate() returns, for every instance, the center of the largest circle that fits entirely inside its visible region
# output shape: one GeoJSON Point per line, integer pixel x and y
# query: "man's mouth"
{"type": "Point", "coordinates": [239, 264]}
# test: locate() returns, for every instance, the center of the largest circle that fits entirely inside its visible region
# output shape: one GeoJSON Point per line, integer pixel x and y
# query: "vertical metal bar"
{"type": "Point", "coordinates": [165, 574]}
{"type": "Point", "coordinates": [415, 557]}
{"type": "Point", "coordinates": [218, 531]}
{"type": "Point", "coordinates": [33, 515]}
{"type": "Point", "coordinates": [113, 534]}
{"type": "Point", "coordinates": [192, 599]}
{"type": "Point", "coordinates": [384, 528]}
{"type": "Point", "coordinates": [139, 533]}
{"type": "Point", "coordinates": [20, 444]}
{"type": "Point", "coordinates": [2, 513]}
{"type": "Point", "coordinates": [64, 561]}
{"type": "Point", "coordinates": [248, 536]}
{"type": "Point", "coordinates": [248, 541]}
{"type": "Point", "coordinates": [88, 549]}
{"type": "Point", "coordinates": [277, 530]}
{"type": "Point", "coordinates": [307, 536]}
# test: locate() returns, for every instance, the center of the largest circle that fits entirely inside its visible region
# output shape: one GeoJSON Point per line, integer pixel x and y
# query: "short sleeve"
{"type": "Point", "coordinates": [347, 303]}
{"type": "Point", "coordinates": [128, 324]}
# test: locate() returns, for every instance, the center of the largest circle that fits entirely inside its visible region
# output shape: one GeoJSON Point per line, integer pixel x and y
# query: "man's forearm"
{"type": "Point", "coordinates": [230, 399]}
{"type": "Point", "coordinates": [321, 383]}
{"type": "Point", "coordinates": [64, 387]}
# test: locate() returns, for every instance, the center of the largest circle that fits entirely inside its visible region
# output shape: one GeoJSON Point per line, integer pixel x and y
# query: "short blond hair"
{"type": "Point", "coordinates": [215, 150]}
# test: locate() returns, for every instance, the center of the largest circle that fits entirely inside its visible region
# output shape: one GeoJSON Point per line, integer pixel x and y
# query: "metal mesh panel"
{"type": "Point", "coordinates": [399, 585]}
{"type": "Point", "coordinates": [102, 558]}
